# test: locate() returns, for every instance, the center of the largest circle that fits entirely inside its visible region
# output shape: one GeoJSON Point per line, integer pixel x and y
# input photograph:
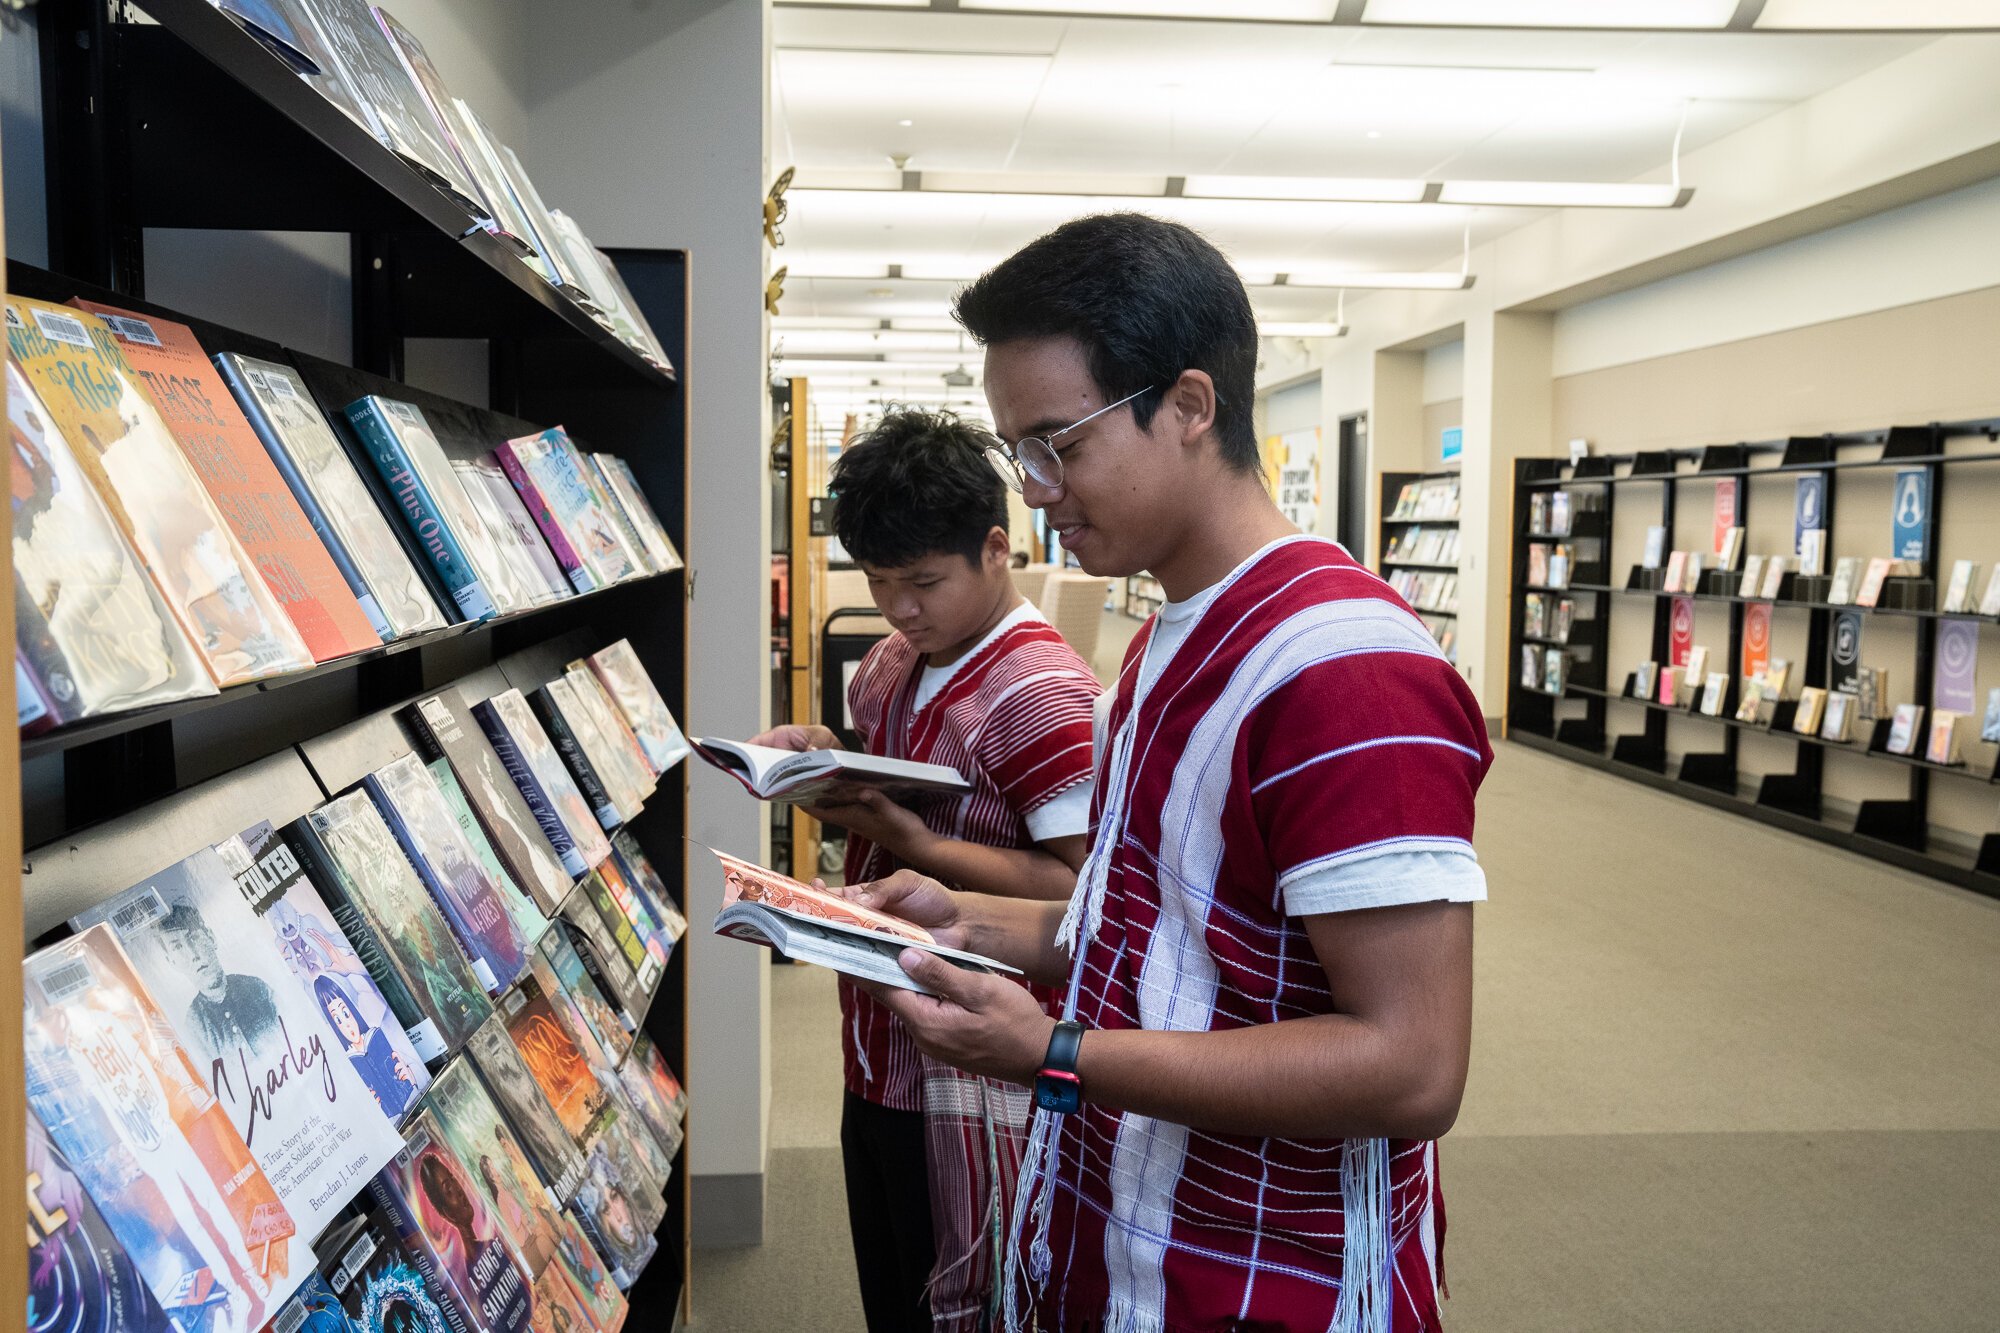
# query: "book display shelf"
{"type": "Point", "coordinates": [1143, 596]}
{"type": "Point", "coordinates": [1418, 548]}
{"type": "Point", "coordinates": [1826, 669]}
{"type": "Point", "coordinates": [186, 121]}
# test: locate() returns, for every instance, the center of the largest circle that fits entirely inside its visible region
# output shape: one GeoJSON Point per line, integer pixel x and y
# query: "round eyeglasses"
{"type": "Point", "coordinates": [1035, 455]}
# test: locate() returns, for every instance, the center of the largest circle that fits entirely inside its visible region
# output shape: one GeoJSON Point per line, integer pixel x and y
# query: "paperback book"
{"type": "Point", "coordinates": [370, 879]}
{"type": "Point", "coordinates": [625, 679]}
{"type": "Point", "coordinates": [529, 923]}
{"type": "Point", "coordinates": [520, 540]}
{"type": "Point", "coordinates": [432, 502]}
{"type": "Point", "coordinates": [313, 1308]}
{"type": "Point", "coordinates": [647, 884]}
{"type": "Point", "coordinates": [516, 579]}
{"type": "Point", "coordinates": [804, 777]}
{"type": "Point", "coordinates": [1807, 717]}
{"type": "Point", "coordinates": [656, 544]}
{"type": "Point", "coordinates": [1958, 593]}
{"type": "Point", "coordinates": [332, 495]}
{"type": "Point", "coordinates": [124, 1102]}
{"type": "Point", "coordinates": [558, 711]}
{"type": "Point", "coordinates": [302, 1110]}
{"type": "Point", "coordinates": [553, 1057]}
{"type": "Point", "coordinates": [324, 962]}
{"type": "Point", "coordinates": [1943, 746]}
{"type": "Point", "coordinates": [601, 716]}
{"type": "Point", "coordinates": [599, 1015]}
{"type": "Point", "coordinates": [537, 770]}
{"type": "Point", "coordinates": [607, 963]}
{"type": "Point", "coordinates": [366, 1265]}
{"type": "Point", "coordinates": [100, 405]}
{"type": "Point", "coordinates": [618, 1123]}
{"type": "Point", "coordinates": [80, 1280]}
{"type": "Point", "coordinates": [1989, 726]}
{"type": "Point", "coordinates": [1905, 728]}
{"type": "Point", "coordinates": [1838, 724]}
{"type": "Point", "coordinates": [551, 1150]}
{"type": "Point", "coordinates": [245, 485]}
{"type": "Point", "coordinates": [427, 1193]}
{"type": "Point", "coordinates": [92, 633]}
{"type": "Point", "coordinates": [609, 1210]}
{"type": "Point", "coordinates": [450, 869]}
{"type": "Point", "coordinates": [545, 471]}
{"type": "Point", "coordinates": [645, 966]}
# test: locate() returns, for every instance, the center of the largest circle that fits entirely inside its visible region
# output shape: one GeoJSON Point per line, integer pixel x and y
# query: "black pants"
{"type": "Point", "coordinates": [888, 1213]}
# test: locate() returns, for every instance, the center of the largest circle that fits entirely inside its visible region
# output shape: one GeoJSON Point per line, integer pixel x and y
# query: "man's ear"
{"type": "Point", "coordinates": [998, 548]}
{"type": "Point", "coordinates": [1191, 402]}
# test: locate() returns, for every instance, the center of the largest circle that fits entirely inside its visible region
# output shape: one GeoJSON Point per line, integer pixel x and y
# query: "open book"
{"type": "Point", "coordinates": [802, 777]}
{"type": "Point", "coordinates": [814, 926]}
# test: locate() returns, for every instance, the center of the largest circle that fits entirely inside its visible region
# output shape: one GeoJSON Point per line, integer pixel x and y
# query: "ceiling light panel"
{"type": "Point", "coordinates": [1286, 329]}
{"type": "Point", "coordinates": [1304, 187]}
{"type": "Point", "coordinates": [1554, 13]}
{"type": "Point", "coordinates": [1010, 182]}
{"type": "Point", "coordinates": [1563, 194]}
{"type": "Point", "coordinates": [1880, 15]}
{"type": "Point", "coordinates": [1295, 11]}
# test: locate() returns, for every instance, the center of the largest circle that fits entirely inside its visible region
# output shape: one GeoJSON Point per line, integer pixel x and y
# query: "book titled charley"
{"type": "Point", "coordinates": [814, 926]}
{"type": "Point", "coordinates": [801, 777]}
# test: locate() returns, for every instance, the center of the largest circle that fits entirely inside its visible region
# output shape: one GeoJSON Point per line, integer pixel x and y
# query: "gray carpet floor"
{"type": "Point", "coordinates": [1722, 1079]}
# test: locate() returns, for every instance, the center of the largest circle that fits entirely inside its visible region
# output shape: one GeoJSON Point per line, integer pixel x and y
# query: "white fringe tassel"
{"type": "Point", "coordinates": [1367, 1275]}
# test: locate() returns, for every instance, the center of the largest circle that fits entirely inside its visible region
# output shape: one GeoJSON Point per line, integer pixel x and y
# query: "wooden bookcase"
{"type": "Point", "coordinates": [188, 122]}
{"type": "Point", "coordinates": [1597, 720]}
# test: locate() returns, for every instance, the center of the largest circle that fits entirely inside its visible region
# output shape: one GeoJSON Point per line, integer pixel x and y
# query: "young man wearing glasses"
{"type": "Point", "coordinates": [1268, 959]}
{"type": "Point", "coordinates": [973, 678]}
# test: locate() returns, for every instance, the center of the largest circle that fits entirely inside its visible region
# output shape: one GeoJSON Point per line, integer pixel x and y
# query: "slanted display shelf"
{"type": "Point", "coordinates": [1584, 714]}
{"type": "Point", "coordinates": [1417, 548]}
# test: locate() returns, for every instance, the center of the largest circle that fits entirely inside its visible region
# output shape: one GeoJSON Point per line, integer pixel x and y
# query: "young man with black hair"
{"type": "Point", "coordinates": [973, 678]}
{"type": "Point", "coordinates": [1268, 958]}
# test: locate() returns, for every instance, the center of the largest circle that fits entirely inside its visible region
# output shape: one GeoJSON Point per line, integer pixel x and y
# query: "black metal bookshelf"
{"type": "Point", "coordinates": [187, 122]}
{"type": "Point", "coordinates": [1894, 829]}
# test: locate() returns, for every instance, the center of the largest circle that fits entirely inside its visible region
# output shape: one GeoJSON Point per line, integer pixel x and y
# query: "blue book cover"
{"type": "Point", "coordinates": [443, 1220]}
{"type": "Point", "coordinates": [375, 1277]}
{"type": "Point", "coordinates": [1844, 653]}
{"type": "Point", "coordinates": [313, 1308]}
{"type": "Point", "coordinates": [80, 1280]}
{"type": "Point", "coordinates": [1809, 512]}
{"type": "Point", "coordinates": [428, 494]}
{"type": "Point", "coordinates": [1911, 517]}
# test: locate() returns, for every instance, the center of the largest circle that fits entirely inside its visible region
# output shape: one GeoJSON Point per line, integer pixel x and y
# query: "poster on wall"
{"type": "Point", "coordinates": [1291, 467]}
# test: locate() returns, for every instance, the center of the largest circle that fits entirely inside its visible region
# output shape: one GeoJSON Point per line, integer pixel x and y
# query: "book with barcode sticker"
{"type": "Point", "coordinates": [611, 1208]}
{"type": "Point", "coordinates": [313, 1308]}
{"type": "Point", "coordinates": [134, 1115]}
{"type": "Point", "coordinates": [529, 921]}
{"type": "Point", "coordinates": [443, 727]}
{"type": "Point", "coordinates": [408, 797]}
{"type": "Point", "coordinates": [316, 950]}
{"type": "Point", "coordinates": [599, 1014]}
{"type": "Point", "coordinates": [602, 722]}
{"type": "Point", "coordinates": [369, 877]}
{"type": "Point", "coordinates": [551, 1151]}
{"type": "Point", "coordinates": [245, 485]}
{"type": "Point", "coordinates": [536, 768]}
{"type": "Point", "coordinates": [332, 495]}
{"type": "Point", "coordinates": [537, 578]}
{"type": "Point", "coordinates": [304, 1111]}
{"type": "Point", "coordinates": [561, 715]}
{"type": "Point", "coordinates": [373, 1275]}
{"type": "Point", "coordinates": [606, 962]}
{"type": "Point", "coordinates": [550, 1051]}
{"type": "Point", "coordinates": [428, 1193]}
{"type": "Point", "coordinates": [624, 677]}
{"type": "Point", "coordinates": [624, 487]}
{"type": "Point", "coordinates": [581, 536]}
{"type": "Point", "coordinates": [80, 1279]}
{"type": "Point", "coordinates": [122, 443]}
{"type": "Point", "coordinates": [91, 629]}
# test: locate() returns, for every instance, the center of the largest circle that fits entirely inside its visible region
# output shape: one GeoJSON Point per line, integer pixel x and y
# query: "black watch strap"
{"type": "Point", "coordinates": [1057, 1087]}
{"type": "Point", "coordinates": [1064, 1043]}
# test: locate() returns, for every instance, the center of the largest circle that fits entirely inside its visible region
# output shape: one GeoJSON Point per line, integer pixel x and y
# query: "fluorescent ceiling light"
{"type": "Point", "coordinates": [848, 4]}
{"type": "Point", "coordinates": [1555, 13]}
{"type": "Point", "coordinates": [912, 363]}
{"type": "Point", "coordinates": [838, 266]}
{"type": "Point", "coordinates": [1008, 182]}
{"type": "Point", "coordinates": [1863, 15]}
{"type": "Point", "coordinates": [847, 178]}
{"type": "Point", "coordinates": [1563, 194]}
{"type": "Point", "coordinates": [808, 341]}
{"type": "Point", "coordinates": [1305, 187]}
{"type": "Point", "coordinates": [1297, 11]}
{"type": "Point", "coordinates": [1290, 329]}
{"type": "Point", "coordinates": [1424, 282]}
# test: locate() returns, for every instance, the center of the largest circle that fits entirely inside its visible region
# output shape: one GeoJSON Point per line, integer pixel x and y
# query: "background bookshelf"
{"type": "Point", "coordinates": [187, 122]}
{"type": "Point", "coordinates": [1857, 793]}
{"type": "Point", "coordinates": [1143, 596]}
{"type": "Point", "coordinates": [1417, 548]}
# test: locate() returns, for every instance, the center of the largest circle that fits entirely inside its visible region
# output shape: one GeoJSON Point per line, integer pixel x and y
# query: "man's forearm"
{"type": "Point", "coordinates": [1018, 932]}
{"type": "Point", "coordinates": [1003, 872]}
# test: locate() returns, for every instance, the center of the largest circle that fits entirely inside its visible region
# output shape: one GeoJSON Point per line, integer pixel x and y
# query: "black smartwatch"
{"type": "Point", "coordinates": [1057, 1088]}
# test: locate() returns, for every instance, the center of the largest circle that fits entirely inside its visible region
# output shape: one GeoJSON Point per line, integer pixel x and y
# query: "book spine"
{"type": "Point", "coordinates": [389, 1201]}
{"type": "Point", "coordinates": [461, 930]}
{"type": "Point", "coordinates": [334, 891]}
{"type": "Point", "coordinates": [295, 481]}
{"type": "Point", "coordinates": [546, 815]}
{"type": "Point", "coordinates": [421, 511]}
{"type": "Point", "coordinates": [566, 555]}
{"type": "Point", "coordinates": [574, 756]}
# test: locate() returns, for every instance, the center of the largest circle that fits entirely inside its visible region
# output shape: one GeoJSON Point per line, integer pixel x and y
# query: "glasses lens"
{"type": "Point", "coordinates": [1038, 460]}
{"type": "Point", "coordinates": [1005, 466]}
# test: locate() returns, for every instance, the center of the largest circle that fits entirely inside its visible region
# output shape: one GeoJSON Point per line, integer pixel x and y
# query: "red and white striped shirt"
{"type": "Point", "coordinates": [1015, 719]}
{"type": "Point", "coordinates": [1305, 733]}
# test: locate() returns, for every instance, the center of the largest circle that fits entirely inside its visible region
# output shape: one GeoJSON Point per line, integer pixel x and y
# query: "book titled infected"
{"type": "Point", "coordinates": [449, 1230]}
{"type": "Point", "coordinates": [80, 1280]}
{"type": "Point", "coordinates": [302, 1110]}
{"type": "Point", "coordinates": [102, 406]}
{"type": "Point", "coordinates": [245, 485]}
{"type": "Point", "coordinates": [137, 1122]}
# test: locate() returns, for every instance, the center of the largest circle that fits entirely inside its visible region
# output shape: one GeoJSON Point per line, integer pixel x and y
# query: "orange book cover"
{"type": "Point", "coordinates": [243, 481]}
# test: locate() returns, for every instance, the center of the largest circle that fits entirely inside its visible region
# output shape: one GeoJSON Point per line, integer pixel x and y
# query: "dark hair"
{"type": "Point", "coordinates": [916, 484]}
{"type": "Point", "coordinates": [1147, 298]}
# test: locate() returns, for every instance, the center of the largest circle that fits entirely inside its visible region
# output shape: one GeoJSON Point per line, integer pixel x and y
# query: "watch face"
{"type": "Point", "coordinates": [1062, 1096]}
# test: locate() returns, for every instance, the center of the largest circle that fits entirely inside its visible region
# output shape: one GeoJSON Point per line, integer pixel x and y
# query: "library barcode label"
{"type": "Point", "coordinates": [138, 331]}
{"type": "Point", "coordinates": [515, 999]}
{"type": "Point", "coordinates": [61, 328]}
{"type": "Point", "coordinates": [140, 912]}
{"type": "Point", "coordinates": [358, 1254]}
{"type": "Point", "coordinates": [290, 1319]}
{"type": "Point", "coordinates": [59, 983]}
{"type": "Point", "coordinates": [281, 385]}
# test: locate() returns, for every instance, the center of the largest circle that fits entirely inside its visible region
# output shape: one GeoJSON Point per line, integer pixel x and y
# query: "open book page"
{"type": "Point", "coordinates": [753, 883]}
{"type": "Point", "coordinates": [749, 764]}
{"type": "Point", "coordinates": [809, 776]}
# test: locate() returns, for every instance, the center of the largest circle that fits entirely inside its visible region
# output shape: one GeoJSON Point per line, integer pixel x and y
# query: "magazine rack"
{"type": "Point", "coordinates": [188, 122]}
{"type": "Point", "coordinates": [1663, 751]}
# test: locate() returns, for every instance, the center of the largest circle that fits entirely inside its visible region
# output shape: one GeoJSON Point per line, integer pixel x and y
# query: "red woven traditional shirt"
{"type": "Point", "coordinates": [1305, 748]}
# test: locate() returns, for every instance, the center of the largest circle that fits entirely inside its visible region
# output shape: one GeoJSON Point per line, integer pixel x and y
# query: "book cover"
{"type": "Point", "coordinates": [580, 1264]}
{"type": "Point", "coordinates": [1839, 717]}
{"type": "Point", "coordinates": [399, 442]}
{"type": "Point", "coordinates": [487, 483]}
{"type": "Point", "coordinates": [553, 1057]}
{"type": "Point", "coordinates": [627, 307]}
{"type": "Point", "coordinates": [1812, 552]}
{"type": "Point", "coordinates": [332, 495]}
{"type": "Point", "coordinates": [547, 702]}
{"type": "Point", "coordinates": [1691, 572]}
{"type": "Point", "coordinates": [1670, 686]}
{"type": "Point", "coordinates": [1555, 672]}
{"type": "Point", "coordinates": [632, 907]}
{"type": "Point", "coordinates": [1774, 577]}
{"type": "Point", "coordinates": [1680, 631]}
{"type": "Point", "coordinates": [1714, 693]}
{"type": "Point", "coordinates": [609, 1210]}
{"type": "Point", "coordinates": [1846, 577]}
{"type": "Point", "coordinates": [662, 1121]}
{"type": "Point", "coordinates": [91, 629]}
{"type": "Point", "coordinates": [625, 489]}
{"type": "Point", "coordinates": [1538, 563]}
{"type": "Point", "coordinates": [103, 409]}
{"type": "Point", "coordinates": [539, 775]}
{"type": "Point", "coordinates": [1531, 667]}
{"type": "Point", "coordinates": [1957, 666]}
{"type": "Point", "coordinates": [245, 485]}
{"type": "Point", "coordinates": [551, 1151]}
{"type": "Point", "coordinates": [1697, 664]}
{"type": "Point", "coordinates": [626, 561]}
{"type": "Point", "coordinates": [526, 1213]}
{"type": "Point", "coordinates": [443, 726]}
{"type": "Point", "coordinates": [301, 1109]}
{"type": "Point", "coordinates": [1989, 726]}
{"type": "Point", "coordinates": [621, 517]}
{"type": "Point", "coordinates": [601, 955]}
{"type": "Point", "coordinates": [622, 752]}
{"type": "Point", "coordinates": [625, 679]}
{"type": "Point", "coordinates": [1958, 593]}
{"type": "Point", "coordinates": [646, 879]}
{"type": "Point", "coordinates": [1725, 513]}
{"type": "Point", "coordinates": [1870, 590]}
{"type": "Point", "coordinates": [1812, 704]}
{"type": "Point", "coordinates": [528, 920]}
{"type": "Point", "coordinates": [313, 1308]}
{"type": "Point", "coordinates": [1646, 680]}
{"type": "Point", "coordinates": [378, 1283]}
{"type": "Point", "coordinates": [599, 1015]}
{"type": "Point", "coordinates": [123, 1100]}
{"type": "Point", "coordinates": [381, 888]}
{"type": "Point", "coordinates": [1910, 521]}
{"type": "Point", "coordinates": [450, 869]}
{"type": "Point", "coordinates": [427, 1192]}
{"type": "Point", "coordinates": [515, 580]}
{"type": "Point", "coordinates": [1989, 603]}
{"type": "Point", "coordinates": [552, 483]}
{"type": "Point", "coordinates": [1904, 726]}
{"type": "Point", "coordinates": [662, 1077]}
{"type": "Point", "coordinates": [597, 895]}
{"type": "Point", "coordinates": [1942, 748]}
{"type": "Point", "coordinates": [1676, 566]}
{"type": "Point", "coordinates": [1753, 575]}
{"type": "Point", "coordinates": [1808, 509]}
{"type": "Point", "coordinates": [80, 1280]}
{"type": "Point", "coordinates": [324, 962]}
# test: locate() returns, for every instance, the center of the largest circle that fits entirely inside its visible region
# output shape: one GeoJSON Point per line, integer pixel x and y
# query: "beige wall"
{"type": "Point", "coordinates": [1929, 361]}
